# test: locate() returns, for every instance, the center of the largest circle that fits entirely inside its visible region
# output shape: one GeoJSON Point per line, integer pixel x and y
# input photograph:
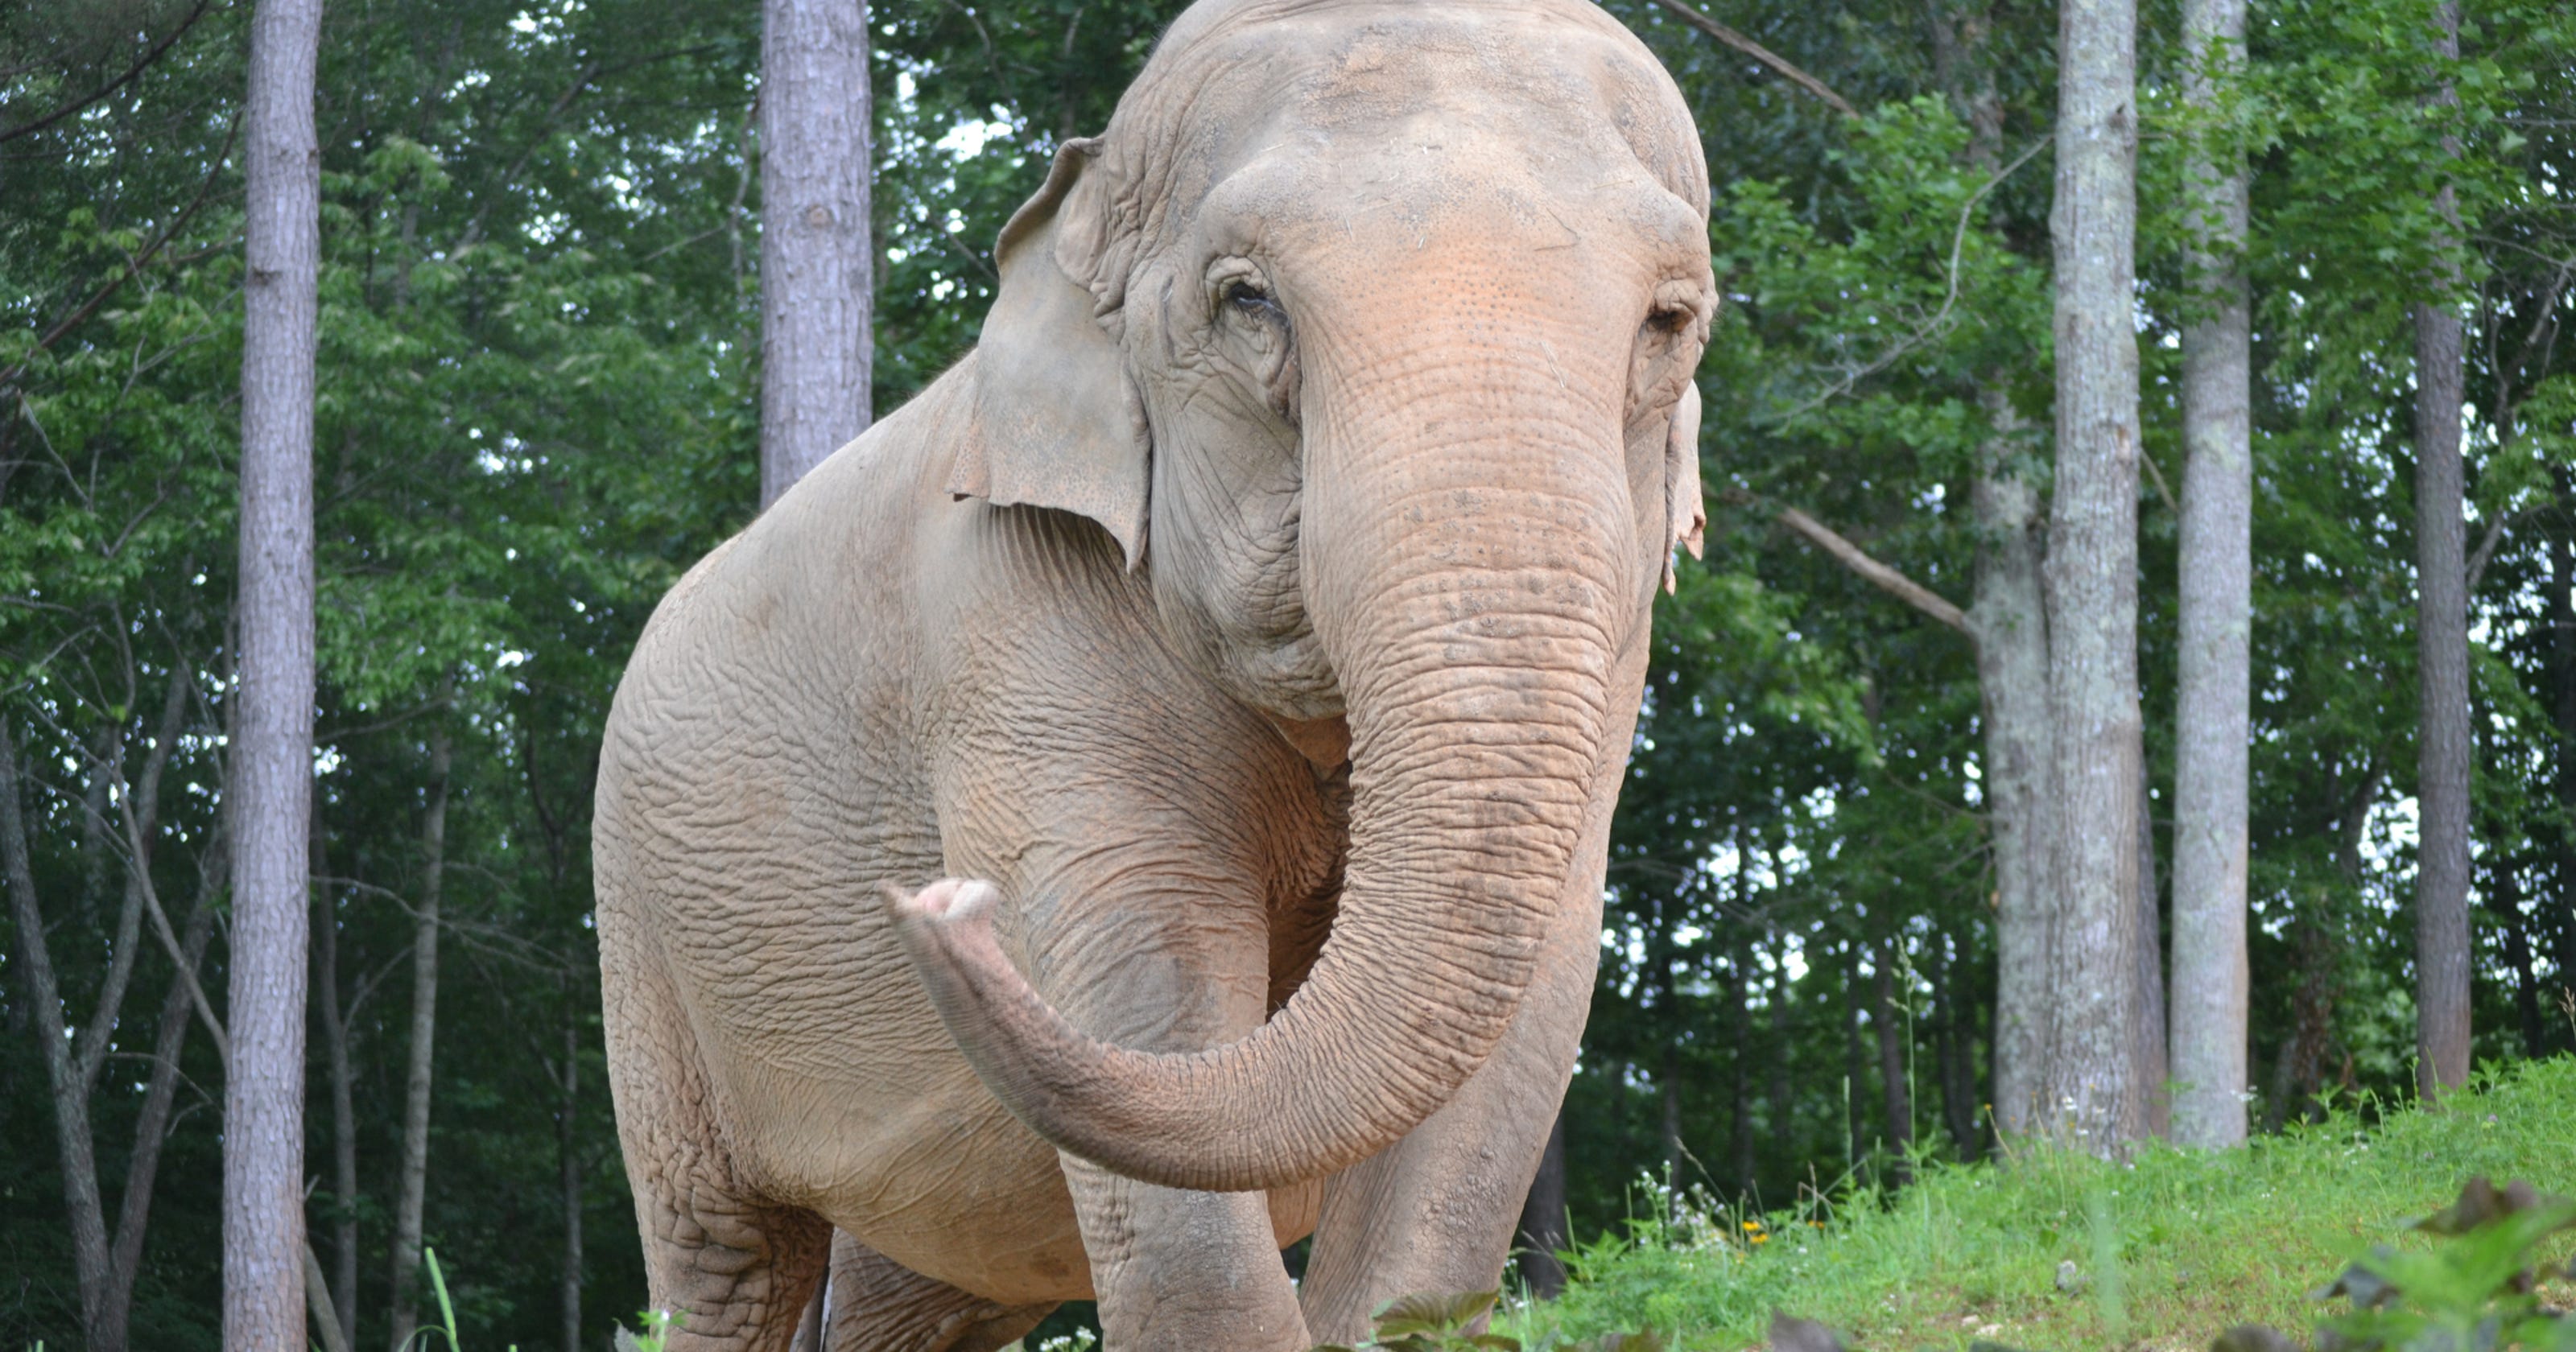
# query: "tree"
{"type": "Point", "coordinates": [816, 263]}
{"type": "Point", "coordinates": [2213, 704]}
{"type": "Point", "coordinates": [411, 1174]}
{"type": "Point", "coordinates": [270, 779]}
{"type": "Point", "coordinates": [2092, 582]}
{"type": "Point", "coordinates": [2442, 652]}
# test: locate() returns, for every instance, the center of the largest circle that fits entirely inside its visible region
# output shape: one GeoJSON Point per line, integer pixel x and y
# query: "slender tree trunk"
{"type": "Point", "coordinates": [2213, 705]}
{"type": "Point", "coordinates": [2507, 900]}
{"type": "Point", "coordinates": [568, 1163]}
{"type": "Point", "coordinates": [1543, 1219]}
{"type": "Point", "coordinates": [1894, 1085]}
{"type": "Point", "coordinates": [2442, 639]}
{"type": "Point", "coordinates": [1966, 1123]}
{"type": "Point", "coordinates": [344, 1117]}
{"type": "Point", "coordinates": [815, 255]}
{"type": "Point", "coordinates": [151, 1130]}
{"type": "Point", "coordinates": [2092, 579]}
{"type": "Point", "coordinates": [1780, 1113]}
{"type": "Point", "coordinates": [1739, 1060]}
{"type": "Point", "coordinates": [412, 1177]}
{"type": "Point", "coordinates": [2011, 620]}
{"type": "Point", "coordinates": [270, 764]}
{"type": "Point", "coordinates": [71, 1099]}
{"type": "Point", "coordinates": [2151, 1066]}
{"type": "Point", "coordinates": [1855, 1071]}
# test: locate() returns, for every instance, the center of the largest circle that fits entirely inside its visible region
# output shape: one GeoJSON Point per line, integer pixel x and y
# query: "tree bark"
{"type": "Point", "coordinates": [2213, 705]}
{"type": "Point", "coordinates": [1543, 1219]}
{"type": "Point", "coordinates": [344, 1117]}
{"type": "Point", "coordinates": [412, 1176]}
{"type": "Point", "coordinates": [1895, 1088]}
{"type": "Point", "coordinates": [270, 769]}
{"type": "Point", "coordinates": [2442, 663]}
{"type": "Point", "coordinates": [2089, 1078]}
{"type": "Point", "coordinates": [815, 255]}
{"type": "Point", "coordinates": [2012, 685]}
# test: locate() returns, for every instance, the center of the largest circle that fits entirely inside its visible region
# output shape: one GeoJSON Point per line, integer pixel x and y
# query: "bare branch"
{"type": "Point", "coordinates": [1875, 573]}
{"type": "Point", "coordinates": [1760, 53]}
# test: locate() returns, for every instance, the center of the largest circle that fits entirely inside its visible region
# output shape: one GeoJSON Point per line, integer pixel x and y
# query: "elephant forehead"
{"type": "Point", "coordinates": [1533, 90]}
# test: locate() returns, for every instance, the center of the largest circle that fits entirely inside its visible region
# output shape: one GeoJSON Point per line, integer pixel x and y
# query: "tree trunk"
{"type": "Point", "coordinates": [1668, 1133]}
{"type": "Point", "coordinates": [2089, 1078]}
{"type": "Point", "coordinates": [815, 256]}
{"type": "Point", "coordinates": [1739, 1060]}
{"type": "Point", "coordinates": [269, 777]}
{"type": "Point", "coordinates": [2213, 705]}
{"type": "Point", "coordinates": [1855, 1071]}
{"type": "Point", "coordinates": [2150, 1065]}
{"type": "Point", "coordinates": [1895, 1086]}
{"type": "Point", "coordinates": [71, 1099]}
{"type": "Point", "coordinates": [1780, 1113]}
{"type": "Point", "coordinates": [2011, 620]}
{"type": "Point", "coordinates": [1959, 1065]}
{"type": "Point", "coordinates": [568, 1162]}
{"type": "Point", "coordinates": [412, 1177]}
{"type": "Point", "coordinates": [2442, 641]}
{"type": "Point", "coordinates": [1543, 1219]}
{"type": "Point", "coordinates": [344, 1117]}
{"type": "Point", "coordinates": [151, 1131]}
{"type": "Point", "coordinates": [2507, 900]}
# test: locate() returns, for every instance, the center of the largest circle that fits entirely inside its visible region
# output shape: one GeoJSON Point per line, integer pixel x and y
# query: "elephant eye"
{"type": "Point", "coordinates": [1249, 296]}
{"type": "Point", "coordinates": [1671, 319]}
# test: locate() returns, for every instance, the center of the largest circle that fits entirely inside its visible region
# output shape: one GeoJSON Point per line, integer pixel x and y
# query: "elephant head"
{"type": "Point", "coordinates": [1368, 330]}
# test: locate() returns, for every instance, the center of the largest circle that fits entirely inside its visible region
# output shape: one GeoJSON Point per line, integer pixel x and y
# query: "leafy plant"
{"type": "Point", "coordinates": [657, 1327]}
{"type": "Point", "coordinates": [2475, 1293]}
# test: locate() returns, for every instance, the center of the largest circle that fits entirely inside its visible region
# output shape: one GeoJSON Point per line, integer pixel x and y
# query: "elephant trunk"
{"type": "Point", "coordinates": [1467, 558]}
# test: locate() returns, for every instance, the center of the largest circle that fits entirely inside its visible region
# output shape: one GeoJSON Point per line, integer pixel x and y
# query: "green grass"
{"type": "Point", "coordinates": [2170, 1248]}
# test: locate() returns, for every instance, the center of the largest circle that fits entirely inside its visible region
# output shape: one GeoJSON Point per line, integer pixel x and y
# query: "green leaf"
{"type": "Point", "coordinates": [1433, 1314]}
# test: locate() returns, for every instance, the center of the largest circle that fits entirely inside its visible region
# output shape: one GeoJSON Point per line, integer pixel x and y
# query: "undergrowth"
{"type": "Point", "coordinates": [2051, 1250]}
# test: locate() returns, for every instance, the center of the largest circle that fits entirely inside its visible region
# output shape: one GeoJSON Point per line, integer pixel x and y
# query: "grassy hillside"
{"type": "Point", "coordinates": [2166, 1251]}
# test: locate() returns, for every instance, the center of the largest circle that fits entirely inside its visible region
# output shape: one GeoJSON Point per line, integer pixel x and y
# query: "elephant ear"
{"type": "Point", "coordinates": [1687, 523]}
{"type": "Point", "coordinates": [1055, 420]}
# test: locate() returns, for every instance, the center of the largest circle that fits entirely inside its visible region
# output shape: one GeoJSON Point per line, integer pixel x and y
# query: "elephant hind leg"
{"type": "Point", "coordinates": [879, 1305]}
{"type": "Point", "coordinates": [736, 1269]}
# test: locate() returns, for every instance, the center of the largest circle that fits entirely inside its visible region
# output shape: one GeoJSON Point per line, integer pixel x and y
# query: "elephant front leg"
{"type": "Point", "coordinates": [1436, 1211]}
{"type": "Point", "coordinates": [1183, 1271]}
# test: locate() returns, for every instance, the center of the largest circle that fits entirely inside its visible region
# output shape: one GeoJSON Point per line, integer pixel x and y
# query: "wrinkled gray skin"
{"type": "Point", "coordinates": [1279, 567]}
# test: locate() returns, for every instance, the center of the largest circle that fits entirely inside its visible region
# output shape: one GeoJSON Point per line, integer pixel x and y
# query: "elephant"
{"type": "Point", "coordinates": [1146, 801]}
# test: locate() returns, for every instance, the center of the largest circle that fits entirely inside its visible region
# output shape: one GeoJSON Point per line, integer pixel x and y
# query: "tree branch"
{"type": "Point", "coordinates": [49, 119]}
{"type": "Point", "coordinates": [1875, 573]}
{"type": "Point", "coordinates": [1760, 53]}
